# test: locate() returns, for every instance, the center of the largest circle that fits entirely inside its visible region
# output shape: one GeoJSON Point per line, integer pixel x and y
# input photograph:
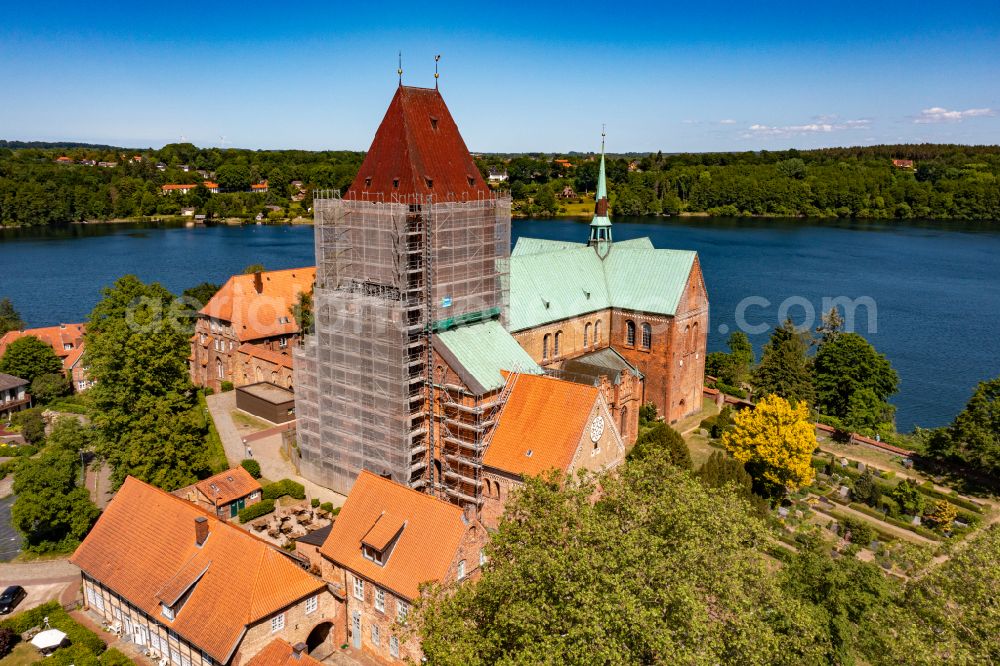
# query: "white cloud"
{"type": "Point", "coordinates": [727, 121]}
{"type": "Point", "coordinates": [937, 114]}
{"type": "Point", "coordinates": [758, 130]}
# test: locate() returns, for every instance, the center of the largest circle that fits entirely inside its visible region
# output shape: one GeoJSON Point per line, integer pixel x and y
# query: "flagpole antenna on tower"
{"type": "Point", "coordinates": [604, 133]}
{"type": "Point", "coordinates": [437, 59]}
{"type": "Point", "coordinates": [399, 69]}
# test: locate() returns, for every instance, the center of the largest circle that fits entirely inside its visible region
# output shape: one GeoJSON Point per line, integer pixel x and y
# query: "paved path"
{"type": "Point", "coordinates": [43, 580]}
{"type": "Point", "coordinates": [267, 451]}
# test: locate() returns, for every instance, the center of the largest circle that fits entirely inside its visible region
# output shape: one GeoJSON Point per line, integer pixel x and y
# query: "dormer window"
{"type": "Point", "coordinates": [368, 181]}
{"type": "Point", "coordinates": [67, 345]}
{"type": "Point", "coordinates": [376, 556]}
{"type": "Point", "coordinates": [395, 183]}
{"type": "Point", "coordinates": [430, 182]}
{"type": "Point", "coordinates": [434, 123]}
{"type": "Point", "coordinates": [167, 611]}
{"type": "Point", "coordinates": [472, 181]}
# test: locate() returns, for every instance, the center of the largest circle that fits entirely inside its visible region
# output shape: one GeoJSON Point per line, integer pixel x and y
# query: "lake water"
{"type": "Point", "coordinates": [935, 287]}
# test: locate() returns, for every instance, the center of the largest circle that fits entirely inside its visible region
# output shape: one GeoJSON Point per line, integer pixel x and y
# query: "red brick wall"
{"type": "Point", "coordinates": [674, 364]}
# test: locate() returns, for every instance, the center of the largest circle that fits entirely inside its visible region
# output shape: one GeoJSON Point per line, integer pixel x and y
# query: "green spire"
{"type": "Point", "coordinates": [600, 226]}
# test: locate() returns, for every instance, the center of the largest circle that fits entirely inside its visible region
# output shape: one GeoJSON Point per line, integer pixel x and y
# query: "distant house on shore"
{"type": "Point", "coordinates": [567, 193]}
{"type": "Point", "coordinates": [174, 188]}
{"type": "Point", "coordinates": [160, 166]}
{"type": "Point", "coordinates": [497, 176]}
{"type": "Point", "coordinates": [211, 186]}
{"type": "Point", "coordinates": [566, 164]}
{"type": "Point", "coordinates": [187, 212]}
{"type": "Point", "coordinates": [903, 164]}
{"type": "Point", "coordinates": [64, 160]}
{"type": "Point", "coordinates": [260, 187]}
{"type": "Point", "coordinates": [107, 165]}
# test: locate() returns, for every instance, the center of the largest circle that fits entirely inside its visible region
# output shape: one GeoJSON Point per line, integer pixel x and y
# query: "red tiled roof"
{"type": "Point", "coordinates": [227, 486]}
{"type": "Point", "coordinates": [143, 549]}
{"type": "Point", "coordinates": [210, 185]}
{"type": "Point", "coordinates": [265, 354]}
{"type": "Point", "coordinates": [280, 653]}
{"type": "Point", "coordinates": [56, 337]}
{"type": "Point", "coordinates": [431, 532]}
{"type": "Point", "coordinates": [419, 146]}
{"type": "Point", "coordinates": [544, 416]}
{"type": "Point", "coordinates": [257, 315]}
{"type": "Point", "coordinates": [175, 186]}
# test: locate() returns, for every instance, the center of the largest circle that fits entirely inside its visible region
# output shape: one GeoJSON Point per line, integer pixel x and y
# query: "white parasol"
{"type": "Point", "coordinates": [48, 639]}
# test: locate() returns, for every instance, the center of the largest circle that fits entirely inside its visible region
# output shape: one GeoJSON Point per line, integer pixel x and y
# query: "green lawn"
{"type": "Point", "coordinates": [217, 460]}
{"type": "Point", "coordinates": [23, 653]}
{"type": "Point", "coordinates": [241, 418]}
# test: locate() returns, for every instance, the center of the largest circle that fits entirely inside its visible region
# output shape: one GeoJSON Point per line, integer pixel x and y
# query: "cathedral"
{"type": "Point", "coordinates": [434, 341]}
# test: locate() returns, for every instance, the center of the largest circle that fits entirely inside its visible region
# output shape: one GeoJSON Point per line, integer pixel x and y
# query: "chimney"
{"type": "Point", "coordinates": [297, 650]}
{"type": "Point", "coordinates": [258, 282]}
{"type": "Point", "coordinates": [200, 530]}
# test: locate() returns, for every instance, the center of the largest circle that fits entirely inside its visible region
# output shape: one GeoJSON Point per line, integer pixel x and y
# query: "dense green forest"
{"type": "Point", "coordinates": [947, 181]}
{"type": "Point", "coordinates": [35, 189]}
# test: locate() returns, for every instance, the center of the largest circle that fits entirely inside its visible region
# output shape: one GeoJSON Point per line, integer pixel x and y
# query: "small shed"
{"type": "Point", "coordinates": [267, 401]}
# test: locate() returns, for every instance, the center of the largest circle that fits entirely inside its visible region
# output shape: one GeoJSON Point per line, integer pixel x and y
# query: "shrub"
{"type": "Point", "coordinates": [8, 639]}
{"type": "Point", "coordinates": [78, 635]}
{"type": "Point", "coordinates": [647, 413]}
{"type": "Point", "coordinates": [889, 505]}
{"type": "Point", "coordinates": [261, 508]}
{"type": "Point", "coordinates": [73, 655]}
{"type": "Point", "coordinates": [113, 657]}
{"type": "Point", "coordinates": [861, 532]}
{"type": "Point", "coordinates": [209, 390]}
{"type": "Point", "coordinates": [662, 441]}
{"type": "Point", "coordinates": [327, 506]}
{"type": "Point", "coordinates": [315, 502]}
{"type": "Point", "coordinates": [226, 386]}
{"type": "Point", "coordinates": [251, 466]}
{"type": "Point", "coordinates": [731, 390]}
{"type": "Point", "coordinates": [284, 487]}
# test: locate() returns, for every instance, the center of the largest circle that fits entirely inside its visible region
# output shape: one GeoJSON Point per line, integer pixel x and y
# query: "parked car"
{"type": "Point", "coordinates": [11, 597]}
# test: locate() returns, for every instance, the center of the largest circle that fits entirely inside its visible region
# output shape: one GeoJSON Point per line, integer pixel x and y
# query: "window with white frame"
{"type": "Point", "coordinates": [376, 635]}
{"type": "Point", "coordinates": [283, 342]}
{"type": "Point", "coordinates": [461, 569]}
{"type": "Point", "coordinates": [394, 647]}
{"type": "Point", "coordinates": [402, 610]}
{"type": "Point", "coordinates": [379, 599]}
{"type": "Point", "coordinates": [277, 622]}
{"type": "Point", "coordinates": [359, 589]}
{"type": "Point", "coordinates": [116, 613]}
{"type": "Point", "coordinates": [312, 603]}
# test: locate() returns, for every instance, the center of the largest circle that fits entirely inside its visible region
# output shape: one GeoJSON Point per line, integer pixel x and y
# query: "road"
{"type": "Point", "coordinates": [43, 580]}
{"type": "Point", "coordinates": [267, 451]}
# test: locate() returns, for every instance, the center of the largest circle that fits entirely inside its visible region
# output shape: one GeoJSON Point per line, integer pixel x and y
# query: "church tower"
{"type": "Point", "coordinates": [600, 226]}
{"type": "Point", "coordinates": [417, 244]}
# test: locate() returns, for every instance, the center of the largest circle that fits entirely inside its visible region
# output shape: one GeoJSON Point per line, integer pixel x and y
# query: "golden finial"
{"type": "Point", "coordinates": [437, 59]}
{"type": "Point", "coordinates": [400, 69]}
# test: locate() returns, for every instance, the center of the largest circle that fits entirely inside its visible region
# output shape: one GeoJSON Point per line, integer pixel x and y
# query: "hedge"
{"type": "Point", "coordinates": [251, 466]}
{"type": "Point", "coordinates": [284, 487]}
{"type": "Point", "coordinates": [113, 657]}
{"type": "Point", "coordinates": [257, 510]}
{"type": "Point", "coordinates": [78, 635]}
{"type": "Point", "coordinates": [930, 491]}
{"type": "Point", "coordinates": [327, 506]}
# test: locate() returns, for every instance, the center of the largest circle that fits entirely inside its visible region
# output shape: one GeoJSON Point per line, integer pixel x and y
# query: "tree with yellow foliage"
{"type": "Point", "coordinates": [775, 441]}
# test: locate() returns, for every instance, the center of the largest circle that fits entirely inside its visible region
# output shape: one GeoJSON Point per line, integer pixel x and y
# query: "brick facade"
{"type": "Point", "coordinates": [216, 357]}
{"type": "Point", "coordinates": [380, 613]}
{"type": "Point", "coordinates": [673, 364]}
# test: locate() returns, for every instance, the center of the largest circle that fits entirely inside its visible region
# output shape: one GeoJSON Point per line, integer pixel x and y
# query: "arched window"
{"type": "Point", "coordinates": [687, 338]}
{"type": "Point", "coordinates": [555, 351]}
{"type": "Point", "coordinates": [258, 375]}
{"type": "Point", "coordinates": [274, 377]}
{"type": "Point", "coordinates": [545, 346]}
{"type": "Point", "coordinates": [624, 424]}
{"type": "Point", "coordinates": [647, 336]}
{"type": "Point", "coordinates": [218, 368]}
{"type": "Point", "coordinates": [630, 333]}
{"type": "Point", "coordinates": [586, 334]}
{"type": "Point", "coordinates": [694, 337]}
{"type": "Point", "coordinates": [597, 332]}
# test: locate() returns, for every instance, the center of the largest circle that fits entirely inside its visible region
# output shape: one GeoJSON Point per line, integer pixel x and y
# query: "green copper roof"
{"type": "Point", "coordinates": [536, 245]}
{"type": "Point", "coordinates": [478, 352]}
{"type": "Point", "coordinates": [602, 193]}
{"type": "Point", "coordinates": [551, 282]}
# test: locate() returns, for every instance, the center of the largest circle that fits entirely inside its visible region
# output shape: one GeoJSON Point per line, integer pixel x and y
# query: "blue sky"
{"type": "Point", "coordinates": [518, 77]}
